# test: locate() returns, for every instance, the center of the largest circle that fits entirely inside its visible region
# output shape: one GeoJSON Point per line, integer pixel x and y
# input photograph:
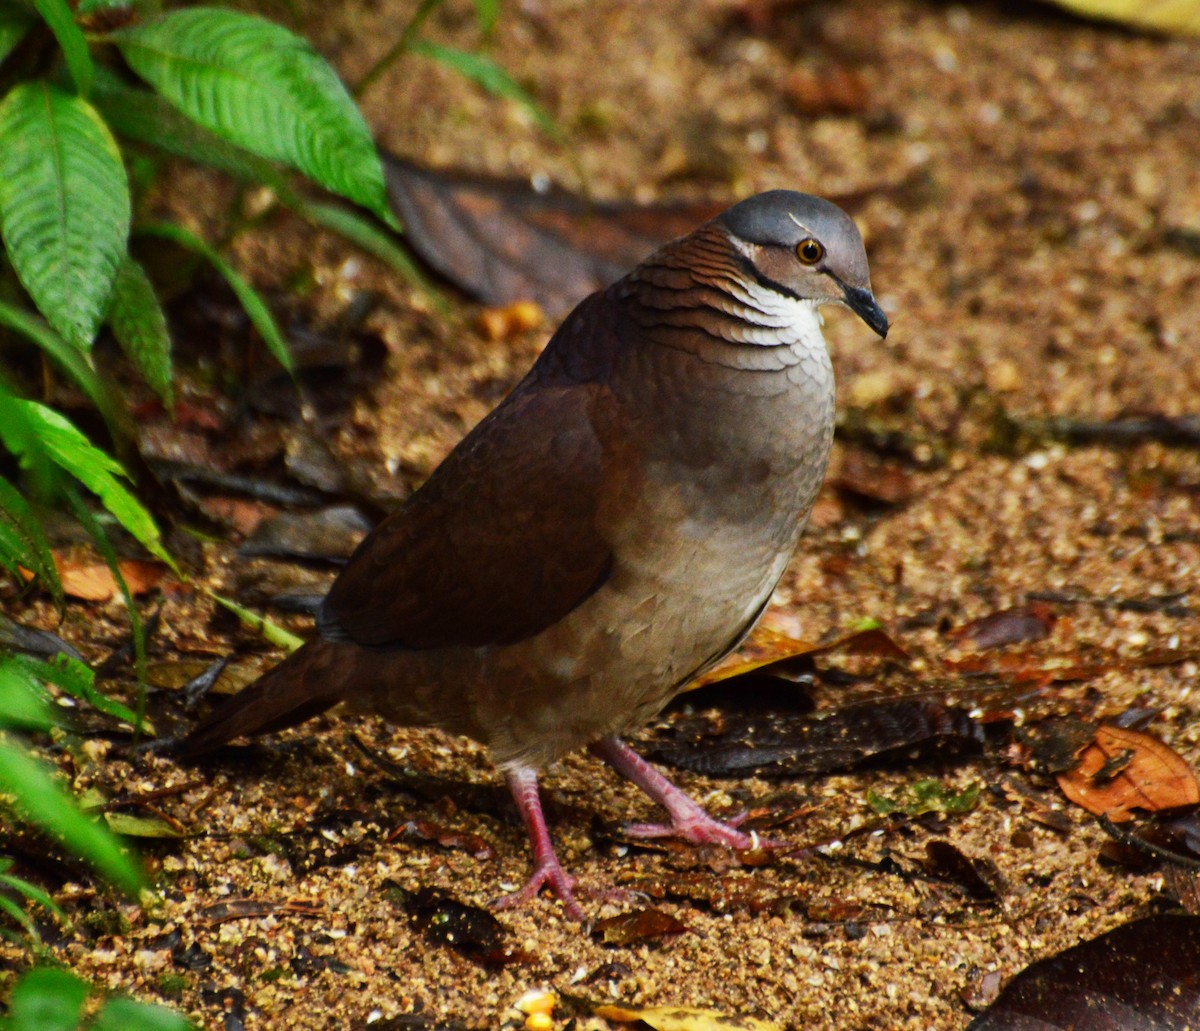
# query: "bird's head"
{"type": "Point", "coordinates": [806, 249]}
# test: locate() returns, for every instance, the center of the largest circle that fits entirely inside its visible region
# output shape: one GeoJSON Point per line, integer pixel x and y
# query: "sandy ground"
{"type": "Point", "coordinates": [1032, 216]}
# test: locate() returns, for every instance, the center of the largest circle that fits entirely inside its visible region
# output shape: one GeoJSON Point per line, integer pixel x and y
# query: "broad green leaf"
{"type": "Point", "coordinates": [76, 364]}
{"type": "Point", "coordinates": [147, 118]}
{"type": "Point", "coordinates": [128, 1015]}
{"type": "Point", "coordinates": [39, 799]}
{"type": "Point", "coordinates": [138, 323]}
{"type": "Point", "coordinates": [14, 23]}
{"type": "Point", "coordinates": [37, 435]}
{"type": "Point", "coordinates": [486, 73]}
{"type": "Point", "coordinates": [74, 47]}
{"type": "Point", "coordinates": [47, 999]}
{"type": "Point", "coordinates": [64, 205]}
{"type": "Point", "coordinates": [255, 307]}
{"type": "Point", "coordinates": [22, 542]}
{"type": "Point", "coordinates": [264, 88]}
{"type": "Point", "coordinates": [23, 702]}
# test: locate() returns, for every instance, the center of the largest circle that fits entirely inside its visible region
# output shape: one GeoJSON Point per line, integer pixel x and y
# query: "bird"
{"type": "Point", "coordinates": [612, 529]}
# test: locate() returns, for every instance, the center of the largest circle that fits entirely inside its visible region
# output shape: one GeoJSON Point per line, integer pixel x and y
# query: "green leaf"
{"type": "Point", "coordinates": [139, 826]}
{"type": "Point", "coordinates": [14, 23]}
{"type": "Point", "coordinates": [272, 632]}
{"type": "Point", "coordinates": [40, 800]}
{"type": "Point", "coordinates": [128, 1015]}
{"type": "Point", "coordinates": [38, 435]}
{"type": "Point", "coordinates": [264, 88]}
{"type": "Point", "coordinates": [19, 916]}
{"type": "Point", "coordinates": [138, 323]}
{"type": "Point", "coordinates": [34, 894]}
{"type": "Point", "coordinates": [486, 13]}
{"type": "Point", "coordinates": [486, 73]}
{"type": "Point", "coordinates": [23, 702]}
{"type": "Point", "coordinates": [64, 205]}
{"type": "Point", "coordinates": [367, 235]}
{"type": "Point", "coordinates": [75, 49]}
{"type": "Point", "coordinates": [147, 118]}
{"type": "Point", "coordinates": [255, 307]}
{"type": "Point", "coordinates": [76, 364]}
{"type": "Point", "coordinates": [47, 999]}
{"type": "Point", "coordinates": [22, 542]}
{"type": "Point", "coordinates": [72, 677]}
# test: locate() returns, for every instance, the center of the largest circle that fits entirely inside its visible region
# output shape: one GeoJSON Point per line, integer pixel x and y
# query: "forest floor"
{"type": "Point", "coordinates": [1029, 190]}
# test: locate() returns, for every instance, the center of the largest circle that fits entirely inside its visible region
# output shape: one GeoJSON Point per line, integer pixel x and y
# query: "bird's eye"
{"type": "Point", "coordinates": [810, 251]}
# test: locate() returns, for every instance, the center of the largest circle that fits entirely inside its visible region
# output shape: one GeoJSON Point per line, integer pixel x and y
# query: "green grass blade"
{"type": "Point", "coordinates": [138, 323]}
{"type": "Point", "coordinates": [30, 547]}
{"type": "Point", "coordinates": [37, 435]}
{"type": "Point", "coordinates": [272, 632]}
{"type": "Point", "coordinates": [264, 88]}
{"type": "Point", "coordinates": [74, 47]}
{"type": "Point", "coordinates": [39, 799]}
{"type": "Point", "coordinates": [486, 73]}
{"type": "Point", "coordinates": [64, 205]}
{"type": "Point", "coordinates": [34, 894]}
{"type": "Point", "coordinates": [77, 365]}
{"type": "Point", "coordinates": [255, 307]}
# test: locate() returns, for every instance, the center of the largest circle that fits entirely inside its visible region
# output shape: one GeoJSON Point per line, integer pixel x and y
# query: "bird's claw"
{"type": "Point", "coordinates": [551, 875]}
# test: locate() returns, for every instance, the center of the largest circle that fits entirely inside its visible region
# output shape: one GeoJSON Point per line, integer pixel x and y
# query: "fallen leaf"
{"type": "Point", "coordinates": [140, 826]}
{"type": "Point", "coordinates": [639, 926]}
{"type": "Point", "coordinates": [1144, 974]}
{"type": "Point", "coordinates": [1019, 625]}
{"type": "Point", "coordinates": [682, 1018]}
{"type": "Point", "coordinates": [1175, 16]}
{"type": "Point", "coordinates": [91, 580]}
{"type": "Point", "coordinates": [1123, 770]}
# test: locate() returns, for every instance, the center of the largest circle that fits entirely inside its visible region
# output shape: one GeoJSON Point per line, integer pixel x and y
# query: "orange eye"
{"type": "Point", "coordinates": [810, 251]}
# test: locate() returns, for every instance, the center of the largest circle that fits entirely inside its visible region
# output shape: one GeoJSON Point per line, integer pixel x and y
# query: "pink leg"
{"type": "Point", "coordinates": [547, 870]}
{"type": "Point", "coordinates": [688, 820]}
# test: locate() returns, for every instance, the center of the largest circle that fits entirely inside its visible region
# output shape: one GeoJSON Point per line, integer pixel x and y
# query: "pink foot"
{"type": "Point", "coordinates": [688, 819]}
{"type": "Point", "coordinates": [547, 870]}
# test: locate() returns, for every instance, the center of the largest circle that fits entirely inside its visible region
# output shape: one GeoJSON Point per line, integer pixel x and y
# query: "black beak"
{"type": "Point", "coordinates": [863, 304]}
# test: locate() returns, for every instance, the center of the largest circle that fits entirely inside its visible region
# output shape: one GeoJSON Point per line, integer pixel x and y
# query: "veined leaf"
{"type": "Point", "coordinates": [74, 47]}
{"type": "Point", "coordinates": [146, 117]}
{"type": "Point", "coordinates": [39, 436]}
{"type": "Point", "coordinates": [138, 323]}
{"type": "Point", "coordinates": [64, 205]}
{"type": "Point", "coordinates": [21, 531]}
{"type": "Point", "coordinates": [42, 801]}
{"type": "Point", "coordinates": [264, 88]}
{"type": "Point", "coordinates": [255, 307]}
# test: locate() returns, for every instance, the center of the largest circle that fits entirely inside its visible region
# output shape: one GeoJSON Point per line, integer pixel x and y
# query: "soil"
{"type": "Point", "coordinates": [1029, 191]}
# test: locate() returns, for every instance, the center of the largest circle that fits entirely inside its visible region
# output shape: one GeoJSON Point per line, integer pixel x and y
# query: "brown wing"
{"type": "Point", "coordinates": [499, 544]}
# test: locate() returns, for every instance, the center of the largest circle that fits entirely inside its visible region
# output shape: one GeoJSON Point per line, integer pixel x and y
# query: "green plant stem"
{"type": "Point", "coordinates": [398, 49]}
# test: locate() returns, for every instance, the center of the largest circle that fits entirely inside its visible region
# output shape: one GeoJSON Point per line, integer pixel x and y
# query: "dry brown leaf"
{"type": "Point", "coordinates": [683, 1018]}
{"type": "Point", "coordinates": [89, 580]}
{"type": "Point", "coordinates": [1122, 770]}
{"type": "Point", "coordinates": [1175, 16]}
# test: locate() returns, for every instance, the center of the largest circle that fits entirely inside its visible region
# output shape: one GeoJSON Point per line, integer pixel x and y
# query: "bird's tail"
{"type": "Point", "coordinates": [306, 683]}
